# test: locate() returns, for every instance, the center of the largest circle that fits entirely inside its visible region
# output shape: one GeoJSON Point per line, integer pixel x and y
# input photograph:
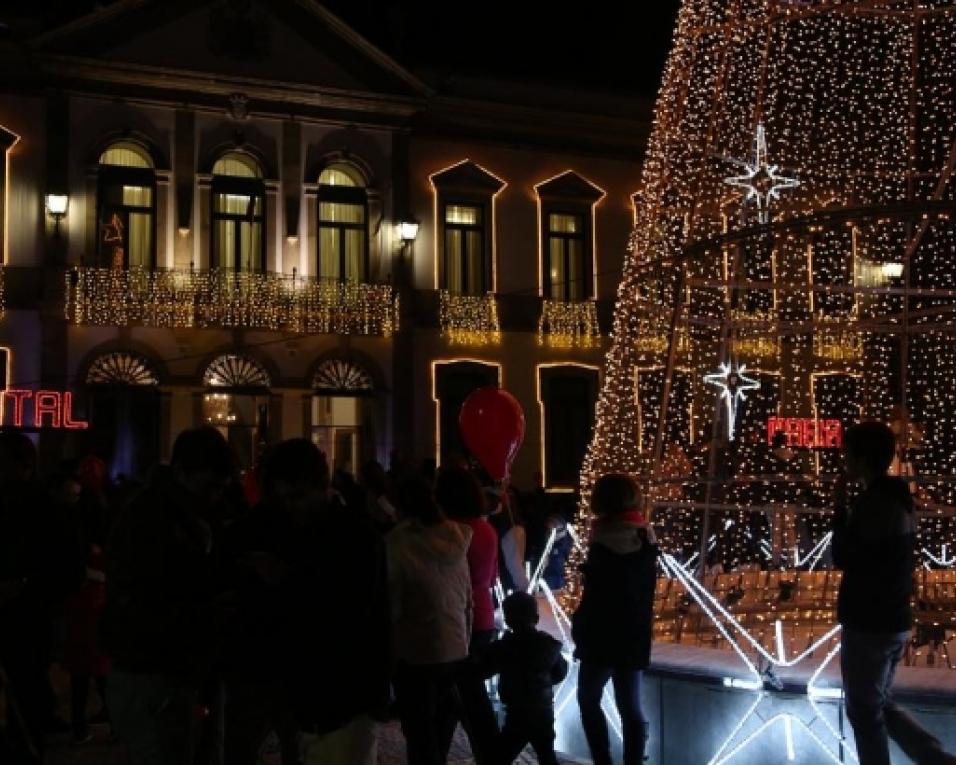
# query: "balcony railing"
{"type": "Point", "coordinates": [469, 319]}
{"type": "Point", "coordinates": [212, 299]}
{"type": "Point", "coordinates": [566, 324]}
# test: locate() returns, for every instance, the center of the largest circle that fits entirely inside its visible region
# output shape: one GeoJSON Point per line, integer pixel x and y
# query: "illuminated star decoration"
{"type": "Point", "coordinates": [733, 386]}
{"type": "Point", "coordinates": [760, 179]}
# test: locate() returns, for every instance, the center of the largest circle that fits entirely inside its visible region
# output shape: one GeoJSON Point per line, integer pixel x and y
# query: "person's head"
{"type": "Point", "coordinates": [18, 458]}
{"type": "Point", "coordinates": [416, 501]}
{"type": "Point", "coordinates": [459, 493]}
{"type": "Point", "coordinates": [615, 493]}
{"type": "Point", "coordinates": [203, 462]}
{"type": "Point", "coordinates": [521, 611]}
{"type": "Point", "coordinates": [868, 450]}
{"type": "Point", "coordinates": [374, 477]}
{"type": "Point", "coordinates": [779, 440]}
{"type": "Point", "coordinates": [294, 473]}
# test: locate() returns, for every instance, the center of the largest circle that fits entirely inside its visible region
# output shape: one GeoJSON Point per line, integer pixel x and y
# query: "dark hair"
{"type": "Point", "coordinates": [779, 439]}
{"type": "Point", "coordinates": [521, 610]}
{"type": "Point", "coordinates": [294, 461]}
{"type": "Point", "coordinates": [459, 493]}
{"type": "Point", "coordinates": [416, 499]}
{"type": "Point", "coordinates": [374, 477]}
{"type": "Point", "coordinates": [873, 443]}
{"type": "Point", "coordinates": [16, 450]}
{"type": "Point", "coordinates": [615, 493]}
{"type": "Point", "coordinates": [203, 450]}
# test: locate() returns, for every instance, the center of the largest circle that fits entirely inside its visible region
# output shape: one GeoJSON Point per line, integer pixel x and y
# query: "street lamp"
{"type": "Point", "coordinates": [56, 206]}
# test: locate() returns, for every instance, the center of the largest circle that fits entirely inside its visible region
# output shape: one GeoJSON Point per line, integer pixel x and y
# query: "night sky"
{"type": "Point", "coordinates": [603, 45]}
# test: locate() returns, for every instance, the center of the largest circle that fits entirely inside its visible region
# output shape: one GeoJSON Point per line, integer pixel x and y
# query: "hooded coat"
{"type": "Point", "coordinates": [430, 591]}
{"type": "Point", "coordinates": [612, 626]}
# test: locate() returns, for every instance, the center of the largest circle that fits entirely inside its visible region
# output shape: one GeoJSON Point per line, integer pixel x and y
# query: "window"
{"type": "Point", "coordinates": [7, 140]}
{"type": "Point", "coordinates": [464, 266]}
{"type": "Point", "coordinates": [121, 368]}
{"type": "Point", "coordinates": [568, 259]}
{"type": "Point", "coordinates": [343, 228]}
{"type": "Point", "coordinates": [465, 201]}
{"type": "Point", "coordinates": [126, 207]}
{"type": "Point", "coordinates": [568, 396]}
{"type": "Point", "coordinates": [342, 415]}
{"type": "Point", "coordinates": [237, 404]}
{"type": "Point", "coordinates": [453, 382]}
{"type": "Point", "coordinates": [238, 203]}
{"type": "Point", "coordinates": [566, 204]}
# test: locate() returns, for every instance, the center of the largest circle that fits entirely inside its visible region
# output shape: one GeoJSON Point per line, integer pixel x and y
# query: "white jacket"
{"type": "Point", "coordinates": [430, 591]}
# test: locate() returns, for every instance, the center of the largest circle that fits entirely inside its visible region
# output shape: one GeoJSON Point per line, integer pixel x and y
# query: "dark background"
{"type": "Point", "coordinates": [603, 45]}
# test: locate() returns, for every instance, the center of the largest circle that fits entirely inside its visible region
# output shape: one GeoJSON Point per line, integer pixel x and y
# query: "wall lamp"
{"type": "Point", "coordinates": [56, 206]}
{"type": "Point", "coordinates": [408, 231]}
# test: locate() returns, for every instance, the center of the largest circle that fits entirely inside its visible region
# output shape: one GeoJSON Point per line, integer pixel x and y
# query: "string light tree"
{"type": "Point", "coordinates": [792, 262]}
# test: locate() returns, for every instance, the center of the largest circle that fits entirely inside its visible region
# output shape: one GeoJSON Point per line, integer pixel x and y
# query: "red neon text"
{"type": "Point", "coordinates": [51, 409]}
{"type": "Point", "coordinates": [807, 432]}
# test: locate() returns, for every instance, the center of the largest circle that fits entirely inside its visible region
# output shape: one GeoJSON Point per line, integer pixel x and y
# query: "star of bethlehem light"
{"type": "Point", "coordinates": [760, 180]}
{"type": "Point", "coordinates": [733, 385]}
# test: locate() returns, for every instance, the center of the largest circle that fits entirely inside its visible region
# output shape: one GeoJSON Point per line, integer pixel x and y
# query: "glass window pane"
{"type": "Point", "coordinates": [577, 275]}
{"type": "Point", "coordinates": [453, 260]}
{"type": "Point", "coordinates": [556, 268]}
{"type": "Point", "coordinates": [475, 263]}
{"type": "Point", "coordinates": [354, 255]}
{"type": "Point", "coordinates": [238, 204]}
{"type": "Point", "coordinates": [329, 252]}
{"type": "Point", "coordinates": [564, 224]}
{"type": "Point", "coordinates": [138, 196]}
{"type": "Point", "coordinates": [339, 212]}
{"type": "Point", "coordinates": [250, 246]}
{"type": "Point", "coordinates": [140, 240]}
{"type": "Point", "coordinates": [125, 155]}
{"type": "Point", "coordinates": [464, 215]}
{"type": "Point", "coordinates": [237, 165]}
{"type": "Point", "coordinates": [224, 244]}
{"type": "Point", "coordinates": [339, 175]}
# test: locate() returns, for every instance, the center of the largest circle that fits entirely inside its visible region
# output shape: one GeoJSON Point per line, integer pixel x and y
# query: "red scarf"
{"type": "Point", "coordinates": [628, 516]}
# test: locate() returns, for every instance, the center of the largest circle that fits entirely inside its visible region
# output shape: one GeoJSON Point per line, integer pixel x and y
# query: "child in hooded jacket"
{"type": "Point", "coordinates": [530, 664]}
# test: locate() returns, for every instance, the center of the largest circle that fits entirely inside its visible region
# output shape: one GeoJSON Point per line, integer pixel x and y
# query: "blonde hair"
{"type": "Point", "coordinates": [615, 493]}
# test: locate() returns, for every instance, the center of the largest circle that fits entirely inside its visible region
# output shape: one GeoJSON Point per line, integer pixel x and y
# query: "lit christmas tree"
{"type": "Point", "coordinates": [792, 269]}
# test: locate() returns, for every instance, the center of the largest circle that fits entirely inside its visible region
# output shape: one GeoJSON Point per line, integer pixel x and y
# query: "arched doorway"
{"type": "Point", "coordinates": [236, 403]}
{"type": "Point", "coordinates": [124, 411]}
{"type": "Point", "coordinates": [343, 414]}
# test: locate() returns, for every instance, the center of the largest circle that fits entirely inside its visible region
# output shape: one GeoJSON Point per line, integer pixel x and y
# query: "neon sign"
{"type": "Point", "coordinates": [807, 432]}
{"type": "Point", "coordinates": [46, 409]}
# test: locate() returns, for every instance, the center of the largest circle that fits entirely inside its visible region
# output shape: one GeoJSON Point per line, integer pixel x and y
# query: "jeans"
{"type": "Point", "coordinates": [429, 708]}
{"type": "Point", "coordinates": [868, 661]}
{"type": "Point", "coordinates": [155, 716]}
{"type": "Point", "coordinates": [478, 716]}
{"type": "Point", "coordinates": [523, 727]}
{"type": "Point", "coordinates": [627, 694]}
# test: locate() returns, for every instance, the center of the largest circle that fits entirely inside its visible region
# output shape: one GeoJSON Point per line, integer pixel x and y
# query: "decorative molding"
{"type": "Point", "coordinates": [121, 368]}
{"type": "Point", "coordinates": [233, 370]}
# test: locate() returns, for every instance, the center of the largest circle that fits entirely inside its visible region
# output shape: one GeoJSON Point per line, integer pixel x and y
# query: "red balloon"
{"type": "Point", "coordinates": [492, 426]}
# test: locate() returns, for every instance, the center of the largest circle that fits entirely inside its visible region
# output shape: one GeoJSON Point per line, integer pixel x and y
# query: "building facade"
{"type": "Point", "coordinates": [244, 214]}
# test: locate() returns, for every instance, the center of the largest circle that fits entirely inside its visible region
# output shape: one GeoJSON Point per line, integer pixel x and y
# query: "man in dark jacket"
{"type": "Point", "coordinates": [530, 663]}
{"type": "Point", "coordinates": [159, 624]}
{"type": "Point", "coordinates": [873, 543]}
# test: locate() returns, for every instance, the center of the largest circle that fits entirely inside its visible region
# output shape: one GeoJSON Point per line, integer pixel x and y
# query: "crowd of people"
{"type": "Point", "coordinates": [209, 611]}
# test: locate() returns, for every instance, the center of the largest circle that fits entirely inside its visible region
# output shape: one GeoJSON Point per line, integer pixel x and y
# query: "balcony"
{"type": "Point", "coordinates": [469, 319]}
{"type": "Point", "coordinates": [567, 324]}
{"type": "Point", "coordinates": [184, 298]}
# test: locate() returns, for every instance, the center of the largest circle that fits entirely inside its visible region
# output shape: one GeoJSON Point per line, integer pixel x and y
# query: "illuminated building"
{"type": "Point", "coordinates": [248, 216]}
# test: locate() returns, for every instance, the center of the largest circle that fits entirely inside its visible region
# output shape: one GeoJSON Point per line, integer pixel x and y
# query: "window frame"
{"type": "Point", "coordinates": [584, 213]}
{"type": "Point", "coordinates": [483, 204]}
{"type": "Point", "coordinates": [547, 375]}
{"type": "Point", "coordinates": [111, 176]}
{"type": "Point", "coordinates": [352, 195]}
{"type": "Point", "coordinates": [251, 187]}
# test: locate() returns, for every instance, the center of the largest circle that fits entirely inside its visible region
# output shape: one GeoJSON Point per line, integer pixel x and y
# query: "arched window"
{"type": "Point", "coordinates": [337, 376]}
{"type": "Point", "coordinates": [238, 214]}
{"type": "Point", "coordinates": [343, 224]}
{"type": "Point", "coordinates": [235, 371]}
{"type": "Point", "coordinates": [121, 368]}
{"type": "Point", "coordinates": [126, 207]}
